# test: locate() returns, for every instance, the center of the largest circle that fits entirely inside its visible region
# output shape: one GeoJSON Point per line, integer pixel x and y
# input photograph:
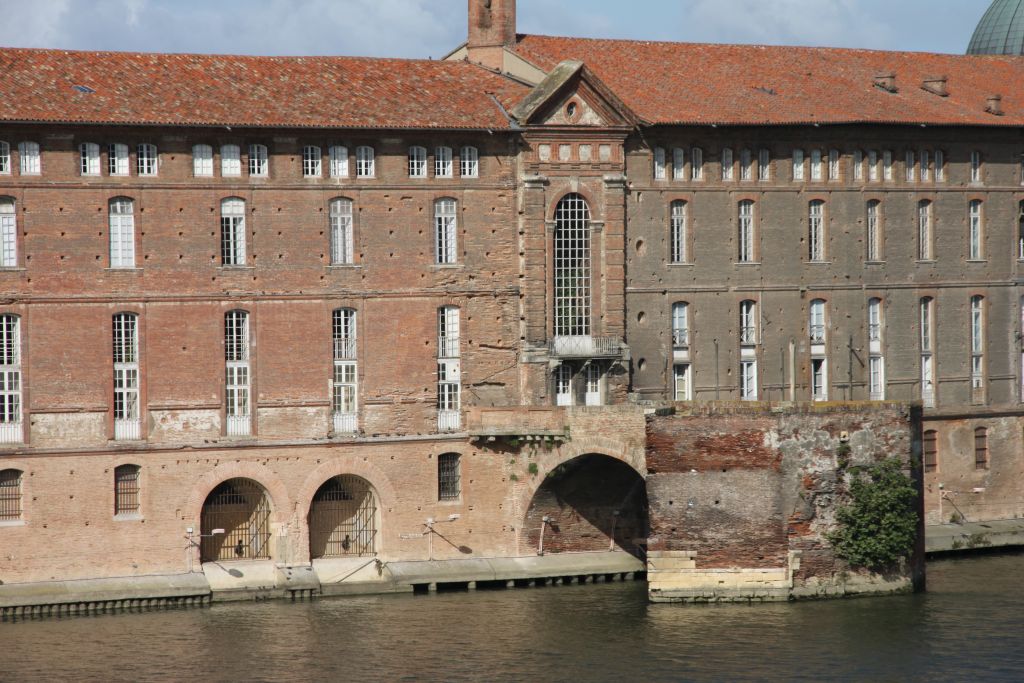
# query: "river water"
{"type": "Point", "coordinates": [969, 626]}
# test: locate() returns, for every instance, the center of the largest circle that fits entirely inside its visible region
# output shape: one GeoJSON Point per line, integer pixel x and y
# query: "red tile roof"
{"type": "Point", "coordinates": [179, 89]}
{"type": "Point", "coordinates": [756, 85]}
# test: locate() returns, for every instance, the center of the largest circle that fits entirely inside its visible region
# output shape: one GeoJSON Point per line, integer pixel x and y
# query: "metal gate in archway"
{"type": "Point", "coordinates": [241, 508]}
{"type": "Point", "coordinates": [343, 519]}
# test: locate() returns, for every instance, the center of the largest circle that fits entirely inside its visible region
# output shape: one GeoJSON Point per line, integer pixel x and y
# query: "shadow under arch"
{"type": "Point", "coordinates": [343, 518]}
{"type": "Point", "coordinates": [240, 508]}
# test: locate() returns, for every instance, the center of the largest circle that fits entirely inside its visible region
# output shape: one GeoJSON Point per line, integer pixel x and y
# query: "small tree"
{"type": "Point", "coordinates": [879, 526]}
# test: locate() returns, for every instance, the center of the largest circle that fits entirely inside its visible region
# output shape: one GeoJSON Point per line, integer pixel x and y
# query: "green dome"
{"type": "Point", "coordinates": [1000, 31]}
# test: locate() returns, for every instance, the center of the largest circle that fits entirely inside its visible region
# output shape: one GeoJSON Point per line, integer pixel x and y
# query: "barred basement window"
{"type": "Point", "coordinates": [127, 425]}
{"type": "Point", "coordinates": [976, 235]}
{"type": "Point", "coordinates": [126, 490]}
{"type": "Point", "coordinates": [146, 160]}
{"type": "Point", "coordinates": [924, 231]}
{"type": "Point", "coordinates": [469, 162]}
{"type": "Point", "coordinates": [697, 164]}
{"type": "Point", "coordinates": [764, 168]}
{"type": "Point", "coordinates": [746, 164]}
{"type": "Point", "coordinates": [202, 161]}
{"type": "Point", "coordinates": [232, 232]}
{"type": "Point", "coordinates": [236, 355]}
{"type": "Point", "coordinates": [816, 231]}
{"type": "Point", "coordinates": [727, 164]}
{"type": "Point", "coordinates": [798, 164]}
{"type": "Point", "coordinates": [677, 231]}
{"type": "Point", "coordinates": [8, 233]}
{"type": "Point", "coordinates": [975, 167]}
{"type": "Point", "coordinates": [230, 161]}
{"type": "Point", "coordinates": [746, 231]}
{"type": "Point", "coordinates": [445, 230]}
{"type": "Point", "coordinates": [443, 162]}
{"type": "Point", "coordinates": [117, 159]}
{"type": "Point", "coordinates": [981, 448]}
{"type": "Point", "coordinates": [680, 325]}
{"type": "Point", "coordinates": [930, 450]}
{"type": "Point", "coordinates": [682, 388]}
{"type": "Point", "coordinates": [874, 230]}
{"type": "Point", "coordinates": [365, 162]}
{"type": "Point", "coordinates": [659, 163]}
{"type": "Point", "coordinates": [122, 233]}
{"type": "Point", "coordinates": [259, 161]}
{"type": "Point", "coordinates": [977, 344]}
{"type": "Point", "coordinates": [240, 507]}
{"type": "Point", "coordinates": [927, 330]}
{"type": "Point", "coordinates": [417, 162]}
{"type": "Point", "coordinates": [449, 476]}
{"type": "Point", "coordinates": [311, 162]}
{"type": "Point", "coordinates": [28, 153]}
{"type": "Point", "coordinates": [344, 384]}
{"type": "Point", "coordinates": [341, 231]}
{"type": "Point", "coordinates": [10, 495]}
{"type": "Point", "coordinates": [5, 158]}
{"type": "Point", "coordinates": [10, 380]}
{"type": "Point", "coordinates": [572, 267]}
{"type": "Point", "coordinates": [748, 323]}
{"type": "Point", "coordinates": [339, 161]}
{"type": "Point", "coordinates": [449, 369]}
{"type": "Point", "coordinates": [816, 169]}
{"type": "Point", "coordinates": [679, 164]}
{"type": "Point", "coordinates": [89, 158]}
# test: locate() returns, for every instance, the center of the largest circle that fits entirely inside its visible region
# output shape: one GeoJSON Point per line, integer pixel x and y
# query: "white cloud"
{"type": "Point", "coordinates": [30, 24]}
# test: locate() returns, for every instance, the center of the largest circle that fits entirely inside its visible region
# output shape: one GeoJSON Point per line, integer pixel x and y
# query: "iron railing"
{"type": "Point", "coordinates": [240, 507]}
{"type": "Point", "coordinates": [585, 347]}
{"type": "Point", "coordinates": [346, 423]}
{"type": "Point", "coordinates": [449, 420]}
{"type": "Point", "coordinates": [343, 519]}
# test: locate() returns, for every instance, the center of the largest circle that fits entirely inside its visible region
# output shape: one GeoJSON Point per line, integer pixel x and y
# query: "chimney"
{"type": "Point", "coordinates": [994, 105]}
{"type": "Point", "coordinates": [886, 81]}
{"type": "Point", "coordinates": [492, 28]}
{"type": "Point", "coordinates": [936, 85]}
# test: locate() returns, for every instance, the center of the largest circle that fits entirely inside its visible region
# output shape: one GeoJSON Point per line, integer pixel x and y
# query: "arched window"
{"type": "Point", "coordinates": [981, 448]}
{"type": "Point", "coordinates": [469, 161]}
{"type": "Point", "coordinates": [8, 233]}
{"type": "Point", "coordinates": [976, 235]}
{"type": "Point", "coordinates": [816, 230]}
{"type": "Point", "coordinates": [677, 231]}
{"type": "Point", "coordinates": [237, 384]}
{"type": "Point", "coordinates": [417, 162]}
{"type": "Point", "coordinates": [232, 231]}
{"type": "Point", "coordinates": [122, 233]}
{"type": "Point", "coordinates": [343, 519]}
{"type": "Point", "coordinates": [925, 232]}
{"type": "Point", "coordinates": [10, 495]}
{"type": "Point", "coordinates": [341, 231]}
{"type": "Point", "coordinates": [344, 383]}
{"type": "Point", "coordinates": [241, 508]}
{"type": "Point", "coordinates": [445, 230]}
{"type": "Point", "coordinates": [572, 267]}
{"type": "Point", "coordinates": [202, 161]}
{"type": "Point", "coordinates": [680, 325]}
{"type": "Point", "coordinates": [126, 490]}
{"type": "Point", "coordinates": [127, 424]}
{"type": "Point", "coordinates": [449, 476]}
{"type": "Point", "coordinates": [874, 230]}
{"type": "Point", "coordinates": [747, 240]}
{"type": "Point", "coordinates": [11, 430]}
{"type": "Point", "coordinates": [230, 161]}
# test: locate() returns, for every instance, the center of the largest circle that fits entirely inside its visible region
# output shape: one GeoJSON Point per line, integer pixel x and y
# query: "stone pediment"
{"type": "Point", "coordinates": [572, 95]}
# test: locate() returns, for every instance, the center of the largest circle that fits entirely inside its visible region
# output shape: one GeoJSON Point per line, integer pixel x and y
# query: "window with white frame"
{"type": "Point", "coordinates": [874, 320]}
{"type": "Point", "coordinates": [237, 382]}
{"type": "Point", "coordinates": [10, 495]}
{"type": "Point", "coordinates": [816, 169]}
{"type": "Point", "coordinates": [341, 231]}
{"type": "Point", "coordinates": [764, 164]}
{"type": "Point", "coordinates": [448, 332]}
{"type": "Point", "coordinates": [876, 359]}
{"type": "Point", "coordinates": [592, 376]}
{"type": "Point", "coordinates": [876, 378]}
{"type": "Point", "coordinates": [887, 172]}
{"type": "Point", "coordinates": [748, 380]}
{"type": "Point", "coordinates": [977, 342]}
{"type": "Point", "coordinates": [798, 164]}
{"type": "Point", "coordinates": [365, 164]}
{"type": "Point", "coordinates": [449, 369]}
{"type": "Point", "coordinates": [873, 165]}
{"type": "Point", "coordinates": [927, 350]}
{"type": "Point", "coordinates": [874, 230]}
{"type": "Point", "coordinates": [202, 161]}
{"type": "Point", "coordinates": [697, 164]}
{"type": "Point", "coordinates": [926, 162]}
{"type": "Point", "coordinates": [8, 233]}
{"type": "Point", "coordinates": [817, 326]}
{"type": "Point", "coordinates": [682, 387]}
{"type": "Point", "coordinates": [232, 231]}
{"type": "Point", "coordinates": [677, 231]}
{"type": "Point", "coordinates": [563, 385]}
{"type": "Point", "coordinates": [833, 165]}
{"type": "Point", "coordinates": [312, 161]}
{"type": "Point", "coordinates": [746, 165]}
{"type": "Point", "coordinates": [940, 166]}
{"type": "Point", "coordinates": [10, 379]}
{"type": "Point", "coordinates": [680, 325]}
{"type": "Point", "coordinates": [911, 166]}
{"type": "Point", "coordinates": [127, 425]}
{"type": "Point", "coordinates": [925, 231]}
{"type": "Point", "coordinates": [748, 322]}
{"type": "Point", "coordinates": [976, 231]}
{"type": "Point", "coordinates": [417, 162]}
{"type": "Point", "coordinates": [816, 230]}
{"type": "Point", "coordinates": [344, 381]}
{"type": "Point", "coordinates": [975, 167]}
{"type": "Point", "coordinates": [146, 159]}
{"type": "Point", "coordinates": [819, 379]}
{"type": "Point", "coordinates": [259, 161]}
{"type": "Point", "coordinates": [659, 163]}
{"type": "Point", "coordinates": [858, 164]}
{"type": "Point", "coordinates": [679, 163]}
{"type": "Point", "coordinates": [443, 167]}
{"type": "Point", "coordinates": [89, 158]}
{"type": "Point", "coordinates": [338, 159]}
{"type": "Point", "coordinates": [572, 267]}
{"type": "Point", "coordinates": [122, 233]}
{"type": "Point", "coordinates": [445, 231]}
{"type": "Point", "coordinates": [5, 158]}
{"type": "Point", "coordinates": [230, 161]}
{"type": "Point", "coordinates": [28, 153]}
{"type": "Point", "coordinates": [746, 231]}
{"type": "Point", "coordinates": [469, 162]}
{"type": "Point", "coordinates": [727, 164]}
{"type": "Point", "coordinates": [118, 161]}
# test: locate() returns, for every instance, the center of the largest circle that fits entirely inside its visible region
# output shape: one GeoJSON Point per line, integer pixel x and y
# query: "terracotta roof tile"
{"type": "Point", "coordinates": [757, 85]}
{"type": "Point", "coordinates": [181, 89]}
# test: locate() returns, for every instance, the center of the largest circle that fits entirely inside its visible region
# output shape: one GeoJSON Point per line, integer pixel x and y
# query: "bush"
{"type": "Point", "coordinates": [879, 526]}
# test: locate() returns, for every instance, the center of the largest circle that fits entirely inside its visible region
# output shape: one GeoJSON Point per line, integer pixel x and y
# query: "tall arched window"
{"type": "Point", "coordinates": [925, 235]}
{"type": "Point", "coordinates": [122, 233]}
{"type": "Point", "coordinates": [572, 267]}
{"type": "Point", "coordinates": [874, 230]}
{"type": "Point", "coordinates": [237, 381]}
{"type": "Point", "coordinates": [232, 231]}
{"type": "Point", "coordinates": [126, 377]}
{"type": "Point", "coordinates": [341, 231]}
{"type": "Point", "coordinates": [678, 236]}
{"type": "Point", "coordinates": [746, 231]}
{"type": "Point", "coordinates": [344, 383]}
{"type": "Point", "coordinates": [975, 237]}
{"type": "Point", "coordinates": [10, 379]}
{"type": "Point", "coordinates": [8, 233]}
{"type": "Point", "coordinates": [445, 230]}
{"type": "Point", "coordinates": [10, 495]}
{"type": "Point", "coordinates": [816, 231]}
{"type": "Point", "coordinates": [927, 348]}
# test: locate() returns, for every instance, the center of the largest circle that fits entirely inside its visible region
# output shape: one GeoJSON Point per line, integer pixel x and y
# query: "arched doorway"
{"type": "Point", "coordinates": [241, 508]}
{"type": "Point", "coordinates": [591, 503]}
{"type": "Point", "coordinates": [343, 519]}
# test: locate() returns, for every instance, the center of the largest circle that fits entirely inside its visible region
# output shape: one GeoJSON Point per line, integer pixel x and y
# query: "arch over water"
{"type": "Point", "coordinates": [241, 507]}
{"type": "Point", "coordinates": [343, 518]}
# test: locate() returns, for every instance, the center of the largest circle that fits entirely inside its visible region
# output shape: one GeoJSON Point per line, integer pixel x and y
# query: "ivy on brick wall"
{"type": "Point", "coordinates": [877, 529]}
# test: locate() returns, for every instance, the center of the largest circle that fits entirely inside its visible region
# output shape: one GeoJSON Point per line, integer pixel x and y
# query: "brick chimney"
{"type": "Point", "coordinates": [492, 28]}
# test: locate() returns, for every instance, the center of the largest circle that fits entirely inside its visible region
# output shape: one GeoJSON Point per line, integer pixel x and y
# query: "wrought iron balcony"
{"type": "Point", "coordinates": [586, 347]}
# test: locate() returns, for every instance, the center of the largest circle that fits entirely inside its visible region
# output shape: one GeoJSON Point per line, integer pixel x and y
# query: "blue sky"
{"type": "Point", "coordinates": [430, 28]}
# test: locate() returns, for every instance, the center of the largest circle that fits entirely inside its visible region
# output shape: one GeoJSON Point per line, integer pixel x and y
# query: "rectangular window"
{"type": "Point", "coordinates": [976, 233]}
{"type": "Point", "coordinates": [677, 229]}
{"type": "Point", "coordinates": [819, 379]}
{"type": "Point", "coordinates": [682, 388]}
{"type": "Point", "coordinates": [127, 426]}
{"type": "Point", "coordinates": [126, 490]}
{"type": "Point", "coordinates": [259, 161]}
{"type": "Point", "coordinates": [365, 164]}
{"type": "Point", "coordinates": [875, 320]}
{"type": "Point", "coordinates": [930, 450]}
{"type": "Point", "coordinates": [748, 380]}
{"type": "Point", "coordinates": [202, 161]}
{"type": "Point", "coordinates": [927, 351]}
{"type": "Point", "coordinates": [341, 232]}
{"type": "Point", "coordinates": [876, 382]}
{"type": "Point", "coordinates": [727, 164]}
{"type": "Point", "coordinates": [911, 166]}
{"type": "Point", "coordinates": [764, 168]}
{"type": "Point", "coordinates": [344, 383]}
{"type": "Point", "coordinates": [746, 231]}
{"type": "Point", "coordinates": [748, 323]}
{"type": "Point", "coordinates": [28, 152]}
{"type": "Point", "coordinates": [924, 231]}
{"type": "Point", "coordinates": [449, 477]}
{"type": "Point", "coordinates": [887, 165]}
{"type": "Point", "coordinates": [338, 157]}
{"type": "Point", "coordinates": [874, 231]}
{"type": "Point", "coordinates": [469, 162]}
{"type": "Point", "coordinates": [798, 164]}
{"type": "Point", "coordinates": [817, 322]}
{"type": "Point", "coordinates": [858, 165]}
{"type": "Point", "coordinates": [232, 232]}
{"type": "Point", "coordinates": [236, 354]}
{"type": "Point", "coordinates": [448, 369]}
{"type": "Point", "coordinates": [122, 233]}
{"type": "Point", "coordinates": [592, 396]}
{"type": "Point", "coordinates": [8, 234]}
{"type": "Point", "coordinates": [117, 159]}
{"type": "Point", "coordinates": [10, 380]}
{"type": "Point", "coordinates": [981, 448]}
{"type": "Point", "coordinates": [833, 165]}
{"type": "Point", "coordinates": [697, 164]}
{"type": "Point", "coordinates": [873, 165]}
{"type": "Point", "coordinates": [746, 165]}
{"type": "Point", "coordinates": [659, 163]}
{"type": "Point", "coordinates": [5, 158]}
{"type": "Point", "coordinates": [816, 231]}
{"type": "Point", "coordinates": [146, 160]}
{"type": "Point", "coordinates": [417, 162]}
{"type": "Point", "coordinates": [679, 163]}
{"type": "Point", "coordinates": [448, 332]}
{"type": "Point", "coordinates": [940, 165]}
{"type": "Point", "coordinates": [977, 343]}
{"type": "Point", "coordinates": [443, 167]}
{"type": "Point", "coordinates": [445, 229]}
{"type": "Point", "coordinates": [563, 385]}
{"type": "Point", "coordinates": [230, 161]}
{"type": "Point", "coordinates": [10, 495]}
{"type": "Point", "coordinates": [311, 162]}
{"type": "Point", "coordinates": [975, 167]}
{"type": "Point", "coordinates": [89, 156]}
{"type": "Point", "coordinates": [926, 171]}
{"type": "Point", "coordinates": [680, 326]}
{"type": "Point", "coordinates": [816, 164]}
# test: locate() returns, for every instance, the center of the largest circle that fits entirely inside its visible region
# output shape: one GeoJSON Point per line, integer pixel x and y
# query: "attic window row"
{"type": "Point", "coordinates": [583, 153]}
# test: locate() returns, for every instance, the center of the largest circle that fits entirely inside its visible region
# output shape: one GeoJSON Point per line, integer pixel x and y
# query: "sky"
{"type": "Point", "coordinates": [431, 28]}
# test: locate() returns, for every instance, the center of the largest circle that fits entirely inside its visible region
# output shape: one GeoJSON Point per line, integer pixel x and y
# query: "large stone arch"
{"type": "Point", "coordinates": [281, 505]}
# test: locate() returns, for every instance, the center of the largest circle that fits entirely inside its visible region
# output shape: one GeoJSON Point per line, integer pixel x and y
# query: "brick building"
{"type": "Point", "coordinates": [296, 299]}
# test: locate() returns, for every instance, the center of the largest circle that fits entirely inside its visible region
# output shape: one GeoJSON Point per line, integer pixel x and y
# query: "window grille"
{"type": "Point", "coordinates": [911, 166]}
{"type": "Point", "coordinates": [833, 164]}
{"type": "Point", "coordinates": [746, 163]}
{"type": "Point", "coordinates": [259, 161]}
{"type": "Point", "coordinates": [311, 162]}
{"type": "Point", "coordinates": [344, 384]}
{"type": "Point", "coordinates": [875, 320]}
{"type": "Point", "coordinates": [146, 160]}
{"type": "Point", "coordinates": [977, 342]}
{"type": "Point", "coordinates": [10, 495]}
{"type": "Point", "coordinates": [230, 161]}
{"type": "Point", "coordinates": [746, 231]}
{"type": "Point", "coordinates": [449, 476]}
{"type": "Point", "coordinates": [798, 164]}
{"type": "Point", "coordinates": [5, 157]}
{"type": "Point", "coordinates": [975, 167]}
{"type": "Point", "coordinates": [592, 396]}
{"type": "Point", "coordinates": [8, 233]}
{"type": "Point", "coordinates": [232, 232]}
{"type": "Point", "coordinates": [727, 164]}
{"type": "Point", "coordinates": [659, 163]}
{"type": "Point", "coordinates": [202, 161]}
{"type": "Point", "coordinates": [10, 380]}
{"type": "Point", "coordinates": [417, 162]}
{"type": "Point", "coordinates": [341, 231]}
{"type": "Point", "coordinates": [819, 379]}
{"type": "Point", "coordinates": [242, 509]}
{"type": "Point", "coordinates": [445, 230]}
{"type": "Point", "coordinates": [678, 231]}
{"type": "Point", "coordinates": [364, 162]}
{"type": "Point", "coordinates": [126, 490]}
{"type": "Point", "coordinates": [816, 173]}
{"type": "Point", "coordinates": [874, 231]}
{"type": "Point", "coordinates": [679, 164]}
{"type": "Point", "coordinates": [28, 152]}
{"type": "Point", "coordinates": [764, 169]}
{"type": "Point", "coordinates": [126, 377]}
{"type": "Point", "coordinates": [572, 267]}
{"type": "Point", "coordinates": [563, 385]}
{"type": "Point", "coordinates": [443, 162]}
{"type": "Point", "coordinates": [930, 450]}
{"type": "Point", "coordinates": [117, 159]}
{"type": "Point", "coordinates": [236, 351]}
{"type": "Point", "coordinates": [680, 325]}
{"type": "Point", "coordinates": [343, 519]}
{"type": "Point", "coordinates": [873, 165]}
{"type": "Point", "coordinates": [816, 231]}
{"type": "Point", "coordinates": [339, 161]}
{"type": "Point", "coordinates": [975, 238]}
{"type": "Point", "coordinates": [876, 380]}
{"type": "Point", "coordinates": [940, 165]}
{"type": "Point", "coordinates": [887, 173]}
{"type": "Point", "coordinates": [748, 322]}
{"type": "Point", "coordinates": [122, 233]}
{"type": "Point", "coordinates": [926, 171]}
{"type": "Point", "coordinates": [981, 448]}
{"type": "Point", "coordinates": [682, 388]}
{"type": "Point", "coordinates": [924, 231]}
{"type": "Point", "coordinates": [469, 162]}
{"type": "Point", "coordinates": [89, 158]}
{"type": "Point", "coordinates": [817, 322]}
{"type": "Point", "coordinates": [697, 164]}
{"type": "Point", "coordinates": [748, 380]}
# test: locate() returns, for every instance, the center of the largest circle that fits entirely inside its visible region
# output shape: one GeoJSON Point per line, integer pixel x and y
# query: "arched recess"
{"type": "Point", "coordinates": [242, 509]}
{"type": "Point", "coordinates": [343, 519]}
